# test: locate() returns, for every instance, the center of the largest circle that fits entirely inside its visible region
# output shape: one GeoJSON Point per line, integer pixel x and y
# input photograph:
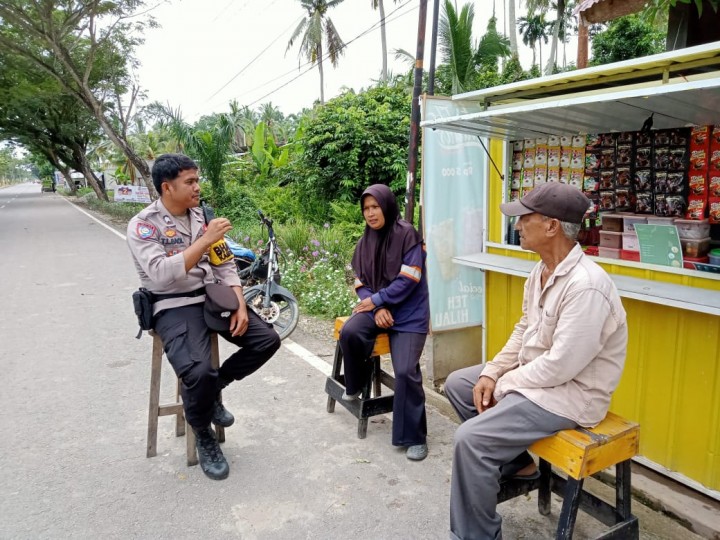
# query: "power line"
{"type": "Point", "coordinates": [310, 65]}
{"type": "Point", "coordinates": [251, 61]}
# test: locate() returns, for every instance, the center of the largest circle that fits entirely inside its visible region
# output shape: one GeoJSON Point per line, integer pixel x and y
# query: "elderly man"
{"type": "Point", "coordinates": [557, 370]}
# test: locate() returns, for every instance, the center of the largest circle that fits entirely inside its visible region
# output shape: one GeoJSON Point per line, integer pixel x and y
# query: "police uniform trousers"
{"type": "Point", "coordinates": [357, 338]}
{"type": "Point", "coordinates": [484, 443]}
{"type": "Point", "coordinates": [186, 339]}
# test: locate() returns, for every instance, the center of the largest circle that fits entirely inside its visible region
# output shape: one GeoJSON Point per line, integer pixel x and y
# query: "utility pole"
{"type": "Point", "coordinates": [433, 47]}
{"type": "Point", "coordinates": [415, 116]}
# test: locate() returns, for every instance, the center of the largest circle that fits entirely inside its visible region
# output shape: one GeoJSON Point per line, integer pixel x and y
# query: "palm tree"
{"type": "Point", "coordinates": [311, 28]}
{"type": "Point", "coordinates": [533, 29]}
{"type": "Point", "coordinates": [568, 26]}
{"type": "Point", "coordinates": [492, 46]}
{"type": "Point", "coordinates": [210, 147]}
{"type": "Point", "coordinates": [378, 4]}
{"type": "Point", "coordinates": [456, 47]}
{"type": "Point", "coordinates": [543, 7]}
{"type": "Point", "coordinates": [512, 23]}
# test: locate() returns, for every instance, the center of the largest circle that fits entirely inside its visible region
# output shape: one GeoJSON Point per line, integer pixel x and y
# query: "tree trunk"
{"type": "Point", "coordinates": [552, 60]}
{"type": "Point", "coordinates": [540, 62]}
{"type": "Point", "coordinates": [139, 163]}
{"type": "Point", "coordinates": [69, 180]}
{"type": "Point", "coordinates": [534, 56]}
{"type": "Point", "coordinates": [512, 27]}
{"type": "Point", "coordinates": [89, 175]}
{"type": "Point", "coordinates": [582, 52]}
{"type": "Point", "coordinates": [322, 77]}
{"type": "Point", "coordinates": [383, 39]}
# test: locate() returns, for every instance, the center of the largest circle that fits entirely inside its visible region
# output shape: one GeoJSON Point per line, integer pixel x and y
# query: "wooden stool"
{"type": "Point", "coordinates": [156, 410]}
{"type": "Point", "coordinates": [580, 453]}
{"type": "Point", "coordinates": [367, 406]}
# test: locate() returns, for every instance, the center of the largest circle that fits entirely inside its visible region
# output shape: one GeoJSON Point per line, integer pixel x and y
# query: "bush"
{"type": "Point", "coordinates": [321, 288]}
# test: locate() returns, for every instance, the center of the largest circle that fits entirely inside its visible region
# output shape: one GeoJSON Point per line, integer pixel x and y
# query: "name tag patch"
{"type": "Point", "coordinates": [171, 241]}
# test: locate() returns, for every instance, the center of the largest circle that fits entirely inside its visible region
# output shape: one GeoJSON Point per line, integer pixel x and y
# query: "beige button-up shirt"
{"type": "Point", "coordinates": [157, 240]}
{"type": "Point", "coordinates": [568, 350]}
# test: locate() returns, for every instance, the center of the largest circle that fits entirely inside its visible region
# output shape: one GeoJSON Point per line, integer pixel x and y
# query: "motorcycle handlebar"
{"type": "Point", "coordinates": [266, 221]}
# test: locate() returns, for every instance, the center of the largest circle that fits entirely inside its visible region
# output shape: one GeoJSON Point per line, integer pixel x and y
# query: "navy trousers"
{"type": "Point", "coordinates": [186, 339]}
{"type": "Point", "coordinates": [356, 342]}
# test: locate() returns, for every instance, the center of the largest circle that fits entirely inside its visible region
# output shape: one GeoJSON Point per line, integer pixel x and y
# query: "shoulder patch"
{"type": "Point", "coordinates": [145, 230]}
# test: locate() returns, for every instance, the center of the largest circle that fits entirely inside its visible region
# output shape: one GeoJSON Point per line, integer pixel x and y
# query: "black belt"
{"type": "Point", "coordinates": [190, 294]}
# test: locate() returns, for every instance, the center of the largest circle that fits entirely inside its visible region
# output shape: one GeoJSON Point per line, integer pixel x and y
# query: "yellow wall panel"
{"type": "Point", "coordinates": [671, 382]}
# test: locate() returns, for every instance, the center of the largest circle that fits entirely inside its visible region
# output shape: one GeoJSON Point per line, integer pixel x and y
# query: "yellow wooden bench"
{"type": "Point", "coordinates": [156, 409]}
{"type": "Point", "coordinates": [579, 453]}
{"type": "Point", "coordinates": [368, 405]}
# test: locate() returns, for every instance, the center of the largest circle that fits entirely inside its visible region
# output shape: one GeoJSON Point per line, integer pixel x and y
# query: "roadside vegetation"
{"type": "Point", "coordinates": [85, 113]}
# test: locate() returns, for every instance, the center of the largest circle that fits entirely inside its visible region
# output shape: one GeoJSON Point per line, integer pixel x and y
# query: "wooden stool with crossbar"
{"type": "Point", "coordinates": [156, 410]}
{"type": "Point", "coordinates": [579, 453]}
{"type": "Point", "coordinates": [366, 406]}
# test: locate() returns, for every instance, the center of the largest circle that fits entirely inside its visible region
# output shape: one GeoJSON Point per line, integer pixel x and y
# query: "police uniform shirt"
{"type": "Point", "coordinates": [157, 239]}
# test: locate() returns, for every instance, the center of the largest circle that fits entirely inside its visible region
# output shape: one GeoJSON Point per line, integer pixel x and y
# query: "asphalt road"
{"type": "Point", "coordinates": [73, 420]}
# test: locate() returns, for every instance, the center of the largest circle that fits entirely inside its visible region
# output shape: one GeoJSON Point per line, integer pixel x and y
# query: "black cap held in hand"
{"type": "Point", "coordinates": [220, 303]}
{"type": "Point", "coordinates": [554, 200]}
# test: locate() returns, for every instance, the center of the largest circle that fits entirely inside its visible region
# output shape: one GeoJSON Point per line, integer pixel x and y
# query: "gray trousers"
{"type": "Point", "coordinates": [483, 444]}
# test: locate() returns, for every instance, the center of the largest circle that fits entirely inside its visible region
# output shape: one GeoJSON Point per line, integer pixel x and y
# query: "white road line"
{"type": "Point", "coordinates": [315, 361]}
{"type": "Point", "coordinates": [95, 219]}
{"type": "Point", "coordinates": [298, 350]}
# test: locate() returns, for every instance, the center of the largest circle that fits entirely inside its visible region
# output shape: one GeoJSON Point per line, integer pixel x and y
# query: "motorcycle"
{"type": "Point", "coordinates": [260, 276]}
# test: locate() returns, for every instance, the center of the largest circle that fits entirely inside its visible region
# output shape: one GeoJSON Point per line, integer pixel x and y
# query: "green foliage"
{"type": "Point", "coordinates": [456, 45]}
{"type": "Point", "coordinates": [656, 9]}
{"type": "Point", "coordinates": [321, 289]}
{"type": "Point", "coordinates": [124, 211]}
{"type": "Point", "coordinates": [316, 268]}
{"type": "Point", "coordinates": [265, 153]}
{"type": "Point", "coordinates": [353, 141]}
{"type": "Point", "coordinates": [626, 38]}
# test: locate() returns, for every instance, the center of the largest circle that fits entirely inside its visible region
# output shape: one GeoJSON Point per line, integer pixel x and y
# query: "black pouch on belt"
{"type": "Point", "coordinates": [143, 303]}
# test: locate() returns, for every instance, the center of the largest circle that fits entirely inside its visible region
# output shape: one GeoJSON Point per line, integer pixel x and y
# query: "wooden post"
{"type": "Point", "coordinates": [415, 116]}
{"type": "Point", "coordinates": [582, 53]}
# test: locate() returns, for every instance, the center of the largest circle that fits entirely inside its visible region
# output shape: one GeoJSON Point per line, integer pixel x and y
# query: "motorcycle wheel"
{"type": "Point", "coordinates": [283, 312]}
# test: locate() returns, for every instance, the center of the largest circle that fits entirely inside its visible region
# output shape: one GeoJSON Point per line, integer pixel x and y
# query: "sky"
{"type": "Point", "coordinates": [208, 52]}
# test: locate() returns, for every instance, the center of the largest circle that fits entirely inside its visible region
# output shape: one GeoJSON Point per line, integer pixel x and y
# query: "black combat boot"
{"type": "Point", "coordinates": [221, 416]}
{"type": "Point", "coordinates": [212, 460]}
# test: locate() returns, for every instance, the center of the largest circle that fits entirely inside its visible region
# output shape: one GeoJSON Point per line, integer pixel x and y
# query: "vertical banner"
{"type": "Point", "coordinates": [453, 187]}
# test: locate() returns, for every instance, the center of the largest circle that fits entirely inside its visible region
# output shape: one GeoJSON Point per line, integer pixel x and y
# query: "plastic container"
{"type": "Point", "coordinates": [610, 239]}
{"type": "Point", "coordinates": [609, 253]}
{"type": "Point", "coordinates": [714, 256]}
{"type": "Point", "coordinates": [695, 248]}
{"type": "Point", "coordinates": [630, 255]}
{"type": "Point", "coordinates": [630, 242]}
{"type": "Point", "coordinates": [612, 222]}
{"type": "Point", "coordinates": [694, 229]}
{"type": "Point", "coordinates": [630, 221]}
{"type": "Point", "coordinates": [657, 220]}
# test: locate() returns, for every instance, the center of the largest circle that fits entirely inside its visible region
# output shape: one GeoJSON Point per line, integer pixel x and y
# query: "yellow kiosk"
{"type": "Point", "coordinates": [671, 383]}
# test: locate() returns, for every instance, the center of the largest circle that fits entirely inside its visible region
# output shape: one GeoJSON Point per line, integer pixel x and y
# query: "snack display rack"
{"type": "Point", "coordinates": [639, 138]}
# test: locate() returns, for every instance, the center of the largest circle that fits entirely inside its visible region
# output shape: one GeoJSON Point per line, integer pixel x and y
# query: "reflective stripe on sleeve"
{"type": "Point", "coordinates": [412, 272]}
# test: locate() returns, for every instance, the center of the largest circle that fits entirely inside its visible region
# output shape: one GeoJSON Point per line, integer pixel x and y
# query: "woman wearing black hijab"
{"type": "Point", "coordinates": [389, 266]}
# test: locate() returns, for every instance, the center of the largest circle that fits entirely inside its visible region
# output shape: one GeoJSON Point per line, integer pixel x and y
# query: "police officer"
{"type": "Point", "coordinates": [171, 247]}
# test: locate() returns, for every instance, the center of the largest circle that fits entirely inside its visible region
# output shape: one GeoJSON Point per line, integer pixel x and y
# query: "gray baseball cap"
{"type": "Point", "coordinates": [553, 199]}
